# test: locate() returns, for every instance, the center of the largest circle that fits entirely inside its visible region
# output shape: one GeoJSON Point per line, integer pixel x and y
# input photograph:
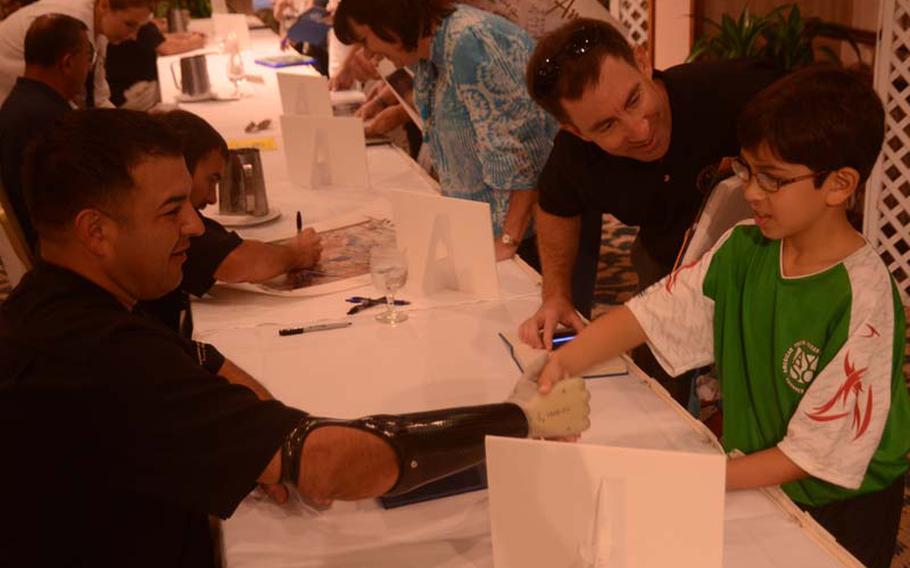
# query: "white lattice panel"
{"type": "Point", "coordinates": [887, 216]}
{"type": "Point", "coordinates": [634, 15]}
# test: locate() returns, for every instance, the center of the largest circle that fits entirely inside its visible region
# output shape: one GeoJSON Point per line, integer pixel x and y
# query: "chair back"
{"type": "Point", "coordinates": [723, 208]}
{"type": "Point", "coordinates": [15, 253]}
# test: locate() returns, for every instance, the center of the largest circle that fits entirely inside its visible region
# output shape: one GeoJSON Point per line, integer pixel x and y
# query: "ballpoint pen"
{"type": "Point", "coordinates": [312, 328]}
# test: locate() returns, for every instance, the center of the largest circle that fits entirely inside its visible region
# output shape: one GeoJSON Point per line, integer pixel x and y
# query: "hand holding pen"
{"type": "Point", "coordinates": [306, 247]}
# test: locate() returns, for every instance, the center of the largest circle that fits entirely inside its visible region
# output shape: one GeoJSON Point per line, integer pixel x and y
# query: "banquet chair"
{"type": "Point", "coordinates": [723, 208]}
{"type": "Point", "coordinates": [15, 254]}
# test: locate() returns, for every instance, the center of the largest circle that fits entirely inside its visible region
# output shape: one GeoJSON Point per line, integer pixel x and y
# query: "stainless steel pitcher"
{"type": "Point", "coordinates": [194, 75]}
{"type": "Point", "coordinates": [178, 20]}
{"type": "Point", "coordinates": [242, 189]}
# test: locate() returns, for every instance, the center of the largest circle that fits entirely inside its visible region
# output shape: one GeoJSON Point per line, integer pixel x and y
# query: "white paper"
{"type": "Point", "coordinates": [304, 94]}
{"type": "Point", "coordinates": [566, 505]}
{"type": "Point", "coordinates": [523, 354]}
{"type": "Point", "coordinates": [448, 242]}
{"type": "Point", "coordinates": [325, 151]}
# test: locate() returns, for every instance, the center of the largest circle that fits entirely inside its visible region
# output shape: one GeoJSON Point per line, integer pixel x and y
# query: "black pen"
{"type": "Point", "coordinates": [299, 222]}
{"type": "Point", "coordinates": [312, 328]}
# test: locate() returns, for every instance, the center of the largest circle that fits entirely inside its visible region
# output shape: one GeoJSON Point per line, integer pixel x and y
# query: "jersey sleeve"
{"type": "Point", "coordinates": [678, 316]}
{"type": "Point", "coordinates": [840, 421]}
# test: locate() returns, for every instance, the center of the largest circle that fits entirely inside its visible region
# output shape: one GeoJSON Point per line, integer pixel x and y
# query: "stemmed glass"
{"type": "Point", "coordinates": [235, 71]}
{"type": "Point", "coordinates": [389, 269]}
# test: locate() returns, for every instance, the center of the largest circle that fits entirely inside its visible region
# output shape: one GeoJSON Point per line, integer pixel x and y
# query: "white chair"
{"type": "Point", "coordinates": [14, 251]}
{"type": "Point", "coordinates": [724, 207]}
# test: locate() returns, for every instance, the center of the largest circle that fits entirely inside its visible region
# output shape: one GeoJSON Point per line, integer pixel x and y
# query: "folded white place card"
{"type": "Point", "coordinates": [325, 151]}
{"type": "Point", "coordinates": [565, 505]}
{"type": "Point", "coordinates": [304, 94]}
{"type": "Point", "coordinates": [449, 243]}
{"type": "Point", "coordinates": [523, 354]}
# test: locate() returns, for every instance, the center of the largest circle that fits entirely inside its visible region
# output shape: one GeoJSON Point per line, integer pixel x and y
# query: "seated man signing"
{"type": "Point", "coordinates": [799, 314]}
{"type": "Point", "coordinates": [118, 442]}
{"type": "Point", "coordinates": [219, 254]}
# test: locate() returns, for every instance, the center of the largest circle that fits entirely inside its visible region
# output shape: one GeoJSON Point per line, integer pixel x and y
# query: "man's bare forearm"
{"type": "Point", "coordinates": [255, 261]}
{"type": "Point", "coordinates": [557, 238]}
{"type": "Point", "coordinates": [521, 207]}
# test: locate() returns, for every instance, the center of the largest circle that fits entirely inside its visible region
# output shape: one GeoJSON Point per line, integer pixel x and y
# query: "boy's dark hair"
{"type": "Point", "coordinates": [406, 21]}
{"type": "Point", "coordinates": [86, 161]}
{"type": "Point", "coordinates": [52, 36]}
{"type": "Point", "coordinates": [822, 117]}
{"type": "Point", "coordinates": [567, 61]}
{"type": "Point", "coordinates": [198, 136]}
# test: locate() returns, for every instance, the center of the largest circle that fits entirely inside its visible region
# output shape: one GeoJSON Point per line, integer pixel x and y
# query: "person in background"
{"type": "Point", "coordinates": [632, 144]}
{"type": "Point", "coordinates": [108, 21]}
{"type": "Point", "coordinates": [487, 139]}
{"type": "Point", "coordinates": [132, 66]}
{"type": "Point", "coordinates": [58, 58]}
{"type": "Point", "coordinates": [219, 255]}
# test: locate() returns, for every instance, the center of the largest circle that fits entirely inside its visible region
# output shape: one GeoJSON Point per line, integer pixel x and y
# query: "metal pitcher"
{"type": "Point", "coordinates": [194, 75]}
{"type": "Point", "coordinates": [178, 20]}
{"type": "Point", "coordinates": [242, 189]}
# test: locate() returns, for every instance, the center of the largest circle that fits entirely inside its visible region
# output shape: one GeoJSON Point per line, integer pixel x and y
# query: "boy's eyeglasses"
{"type": "Point", "coordinates": [580, 42]}
{"type": "Point", "coordinates": [768, 183]}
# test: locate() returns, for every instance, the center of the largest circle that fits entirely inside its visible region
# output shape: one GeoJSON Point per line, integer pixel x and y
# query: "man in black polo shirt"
{"type": "Point", "coordinates": [58, 58]}
{"type": "Point", "coordinates": [632, 144]}
{"type": "Point", "coordinates": [119, 437]}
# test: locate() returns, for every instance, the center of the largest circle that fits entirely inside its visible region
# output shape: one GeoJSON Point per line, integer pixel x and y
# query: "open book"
{"type": "Point", "coordinates": [523, 354]}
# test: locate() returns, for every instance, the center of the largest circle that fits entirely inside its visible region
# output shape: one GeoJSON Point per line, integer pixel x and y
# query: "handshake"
{"type": "Point", "coordinates": [562, 413]}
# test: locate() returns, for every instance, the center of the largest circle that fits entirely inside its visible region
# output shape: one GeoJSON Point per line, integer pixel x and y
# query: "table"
{"type": "Point", "coordinates": [446, 354]}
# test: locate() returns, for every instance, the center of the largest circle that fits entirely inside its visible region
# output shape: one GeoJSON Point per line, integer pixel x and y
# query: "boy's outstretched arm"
{"type": "Point", "coordinates": [609, 336]}
{"type": "Point", "coordinates": [761, 469]}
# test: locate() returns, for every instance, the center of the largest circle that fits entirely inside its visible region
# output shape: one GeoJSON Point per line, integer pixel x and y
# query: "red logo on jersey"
{"type": "Point", "coordinates": [671, 280]}
{"type": "Point", "coordinates": [852, 385]}
{"type": "Point", "coordinates": [871, 331]}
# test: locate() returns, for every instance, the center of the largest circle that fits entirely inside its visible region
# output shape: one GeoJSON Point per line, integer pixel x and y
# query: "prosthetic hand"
{"type": "Point", "coordinates": [431, 445]}
{"type": "Point", "coordinates": [561, 413]}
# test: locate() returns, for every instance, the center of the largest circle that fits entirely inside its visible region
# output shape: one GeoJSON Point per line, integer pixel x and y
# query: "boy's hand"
{"type": "Point", "coordinates": [552, 373]}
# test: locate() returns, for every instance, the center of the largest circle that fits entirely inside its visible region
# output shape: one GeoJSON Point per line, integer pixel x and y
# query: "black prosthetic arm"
{"type": "Point", "coordinates": [429, 445]}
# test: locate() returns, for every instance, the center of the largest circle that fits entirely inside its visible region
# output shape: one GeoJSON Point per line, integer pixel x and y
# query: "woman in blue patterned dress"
{"type": "Point", "coordinates": [488, 140]}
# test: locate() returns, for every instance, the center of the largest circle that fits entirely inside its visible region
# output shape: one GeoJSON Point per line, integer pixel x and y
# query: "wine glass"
{"type": "Point", "coordinates": [235, 71]}
{"type": "Point", "coordinates": [389, 269]}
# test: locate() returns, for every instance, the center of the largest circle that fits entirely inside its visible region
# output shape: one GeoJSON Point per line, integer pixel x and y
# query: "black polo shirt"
{"type": "Point", "coordinates": [116, 444]}
{"type": "Point", "coordinates": [131, 61]}
{"type": "Point", "coordinates": [30, 110]}
{"type": "Point", "coordinates": [660, 197]}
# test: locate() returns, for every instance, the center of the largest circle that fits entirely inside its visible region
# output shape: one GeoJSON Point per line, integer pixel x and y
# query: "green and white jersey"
{"type": "Point", "coordinates": [809, 364]}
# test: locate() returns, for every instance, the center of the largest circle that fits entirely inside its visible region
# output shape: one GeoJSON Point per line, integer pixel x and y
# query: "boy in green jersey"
{"type": "Point", "coordinates": [797, 312]}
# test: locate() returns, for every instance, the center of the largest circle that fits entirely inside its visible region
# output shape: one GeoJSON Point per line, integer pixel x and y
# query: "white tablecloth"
{"type": "Point", "coordinates": [446, 354]}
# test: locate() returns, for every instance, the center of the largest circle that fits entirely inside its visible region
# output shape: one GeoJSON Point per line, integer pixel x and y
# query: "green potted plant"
{"type": "Point", "coordinates": [783, 35]}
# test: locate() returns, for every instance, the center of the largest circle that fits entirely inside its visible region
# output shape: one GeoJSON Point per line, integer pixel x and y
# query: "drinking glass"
{"type": "Point", "coordinates": [389, 269]}
{"type": "Point", "coordinates": [235, 71]}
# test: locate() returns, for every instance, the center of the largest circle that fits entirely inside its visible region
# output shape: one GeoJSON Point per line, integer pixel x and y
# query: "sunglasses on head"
{"type": "Point", "coordinates": [581, 42]}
